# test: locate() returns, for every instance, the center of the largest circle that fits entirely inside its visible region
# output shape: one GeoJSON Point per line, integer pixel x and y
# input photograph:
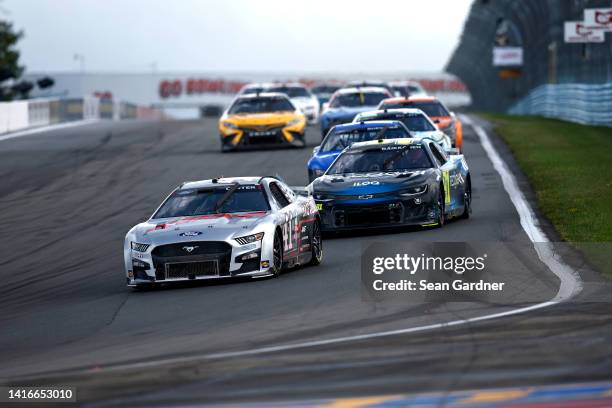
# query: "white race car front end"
{"type": "Point", "coordinates": [310, 107]}
{"type": "Point", "coordinates": [198, 248]}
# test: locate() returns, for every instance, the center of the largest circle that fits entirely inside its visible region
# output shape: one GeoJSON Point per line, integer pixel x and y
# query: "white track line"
{"type": "Point", "coordinates": [570, 285]}
{"type": "Point", "coordinates": [42, 129]}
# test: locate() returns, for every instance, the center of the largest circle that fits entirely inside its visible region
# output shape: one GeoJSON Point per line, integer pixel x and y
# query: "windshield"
{"type": "Point", "coordinates": [357, 99]}
{"type": "Point", "coordinates": [414, 122]}
{"type": "Point", "coordinates": [325, 89]}
{"type": "Point", "coordinates": [291, 91]}
{"type": "Point", "coordinates": [430, 108]}
{"type": "Point", "coordinates": [260, 105]}
{"type": "Point", "coordinates": [387, 158]}
{"type": "Point", "coordinates": [189, 202]}
{"type": "Point", "coordinates": [338, 140]}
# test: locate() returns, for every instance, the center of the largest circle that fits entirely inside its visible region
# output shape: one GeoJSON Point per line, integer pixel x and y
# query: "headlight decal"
{"type": "Point", "coordinates": [249, 239]}
{"type": "Point", "coordinates": [139, 247]}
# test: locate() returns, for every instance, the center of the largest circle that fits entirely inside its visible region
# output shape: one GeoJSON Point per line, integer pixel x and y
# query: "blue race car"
{"type": "Point", "coordinates": [393, 182]}
{"type": "Point", "coordinates": [347, 102]}
{"type": "Point", "coordinates": [342, 136]}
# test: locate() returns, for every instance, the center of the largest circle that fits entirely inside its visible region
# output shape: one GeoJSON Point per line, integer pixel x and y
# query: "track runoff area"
{"type": "Point", "coordinates": [103, 177]}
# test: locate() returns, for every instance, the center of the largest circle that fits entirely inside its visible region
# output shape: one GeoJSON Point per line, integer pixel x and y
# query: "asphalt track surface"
{"type": "Point", "coordinates": [67, 198]}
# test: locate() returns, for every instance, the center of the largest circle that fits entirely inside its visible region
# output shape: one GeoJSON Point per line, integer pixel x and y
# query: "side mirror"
{"type": "Point", "coordinates": [315, 150]}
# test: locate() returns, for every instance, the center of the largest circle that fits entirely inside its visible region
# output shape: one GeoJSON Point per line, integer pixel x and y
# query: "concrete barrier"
{"type": "Point", "coordinates": [19, 115]}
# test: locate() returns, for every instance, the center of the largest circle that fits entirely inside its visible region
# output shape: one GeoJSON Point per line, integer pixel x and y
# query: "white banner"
{"type": "Point", "coordinates": [598, 18]}
{"type": "Point", "coordinates": [507, 56]}
{"type": "Point", "coordinates": [578, 32]}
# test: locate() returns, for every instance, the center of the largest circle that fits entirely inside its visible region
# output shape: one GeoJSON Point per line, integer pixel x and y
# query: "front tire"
{"type": "Point", "coordinates": [316, 244]}
{"type": "Point", "coordinates": [277, 255]}
{"type": "Point", "coordinates": [441, 208]}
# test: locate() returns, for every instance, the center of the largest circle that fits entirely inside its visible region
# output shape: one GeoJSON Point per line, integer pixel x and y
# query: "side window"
{"type": "Point", "coordinates": [288, 192]}
{"type": "Point", "coordinates": [439, 156]}
{"type": "Point", "coordinates": [278, 195]}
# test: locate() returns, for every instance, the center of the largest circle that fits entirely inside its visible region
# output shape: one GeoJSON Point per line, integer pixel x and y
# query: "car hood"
{"type": "Point", "coordinates": [323, 160]}
{"type": "Point", "coordinates": [371, 183]}
{"type": "Point", "coordinates": [262, 118]}
{"type": "Point", "coordinates": [435, 135]}
{"type": "Point", "coordinates": [344, 111]}
{"type": "Point", "coordinates": [213, 227]}
{"type": "Point", "coordinates": [304, 100]}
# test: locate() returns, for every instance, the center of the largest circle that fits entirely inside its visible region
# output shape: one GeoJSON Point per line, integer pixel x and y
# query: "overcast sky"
{"type": "Point", "coordinates": [238, 35]}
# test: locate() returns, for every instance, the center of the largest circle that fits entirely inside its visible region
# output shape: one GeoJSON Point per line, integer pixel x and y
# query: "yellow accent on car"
{"type": "Point", "coordinates": [446, 182]}
{"type": "Point", "coordinates": [433, 224]}
{"type": "Point", "coordinates": [319, 206]}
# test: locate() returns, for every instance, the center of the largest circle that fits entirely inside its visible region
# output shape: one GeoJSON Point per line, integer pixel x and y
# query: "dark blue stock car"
{"type": "Point", "coordinates": [342, 136]}
{"type": "Point", "coordinates": [397, 182]}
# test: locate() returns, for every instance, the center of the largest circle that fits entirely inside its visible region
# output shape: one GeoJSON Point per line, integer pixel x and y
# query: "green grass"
{"type": "Point", "coordinates": [570, 168]}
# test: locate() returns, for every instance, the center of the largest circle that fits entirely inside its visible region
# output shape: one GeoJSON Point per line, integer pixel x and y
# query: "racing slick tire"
{"type": "Point", "coordinates": [441, 216]}
{"type": "Point", "coordinates": [277, 254]}
{"type": "Point", "coordinates": [467, 200]}
{"type": "Point", "coordinates": [316, 244]}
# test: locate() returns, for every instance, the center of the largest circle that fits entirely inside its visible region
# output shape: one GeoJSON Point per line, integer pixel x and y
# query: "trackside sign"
{"type": "Point", "coordinates": [580, 32]}
{"type": "Point", "coordinates": [507, 56]}
{"type": "Point", "coordinates": [598, 18]}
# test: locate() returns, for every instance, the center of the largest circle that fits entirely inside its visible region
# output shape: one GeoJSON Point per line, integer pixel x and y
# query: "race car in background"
{"type": "Point", "coordinates": [445, 120]}
{"type": "Point", "coordinates": [417, 122]}
{"type": "Point", "coordinates": [370, 83]}
{"type": "Point", "coordinates": [342, 136]}
{"type": "Point", "coordinates": [261, 119]}
{"type": "Point", "coordinates": [347, 102]}
{"type": "Point", "coordinates": [254, 87]}
{"type": "Point", "coordinates": [393, 182]}
{"type": "Point", "coordinates": [224, 228]}
{"type": "Point", "coordinates": [324, 91]}
{"type": "Point", "coordinates": [301, 97]}
{"type": "Point", "coordinates": [407, 88]}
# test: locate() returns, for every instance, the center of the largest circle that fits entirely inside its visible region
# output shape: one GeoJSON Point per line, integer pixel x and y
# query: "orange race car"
{"type": "Point", "coordinates": [437, 112]}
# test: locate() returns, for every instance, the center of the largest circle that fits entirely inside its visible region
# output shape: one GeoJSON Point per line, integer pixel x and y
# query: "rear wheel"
{"type": "Point", "coordinates": [316, 244]}
{"type": "Point", "coordinates": [277, 255]}
{"type": "Point", "coordinates": [467, 200]}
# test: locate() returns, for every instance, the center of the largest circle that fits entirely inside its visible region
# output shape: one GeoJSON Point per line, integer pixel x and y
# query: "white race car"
{"type": "Point", "coordinates": [222, 228]}
{"type": "Point", "coordinates": [302, 98]}
{"type": "Point", "coordinates": [417, 122]}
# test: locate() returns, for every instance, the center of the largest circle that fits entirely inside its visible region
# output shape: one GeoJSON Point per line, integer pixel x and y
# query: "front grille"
{"type": "Point", "coordinates": [377, 214]}
{"type": "Point", "coordinates": [202, 252]}
{"type": "Point", "coordinates": [199, 248]}
{"type": "Point", "coordinates": [191, 270]}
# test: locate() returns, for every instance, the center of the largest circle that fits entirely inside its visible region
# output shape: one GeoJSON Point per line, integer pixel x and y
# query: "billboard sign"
{"type": "Point", "coordinates": [507, 56]}
{"type": "Point", "coordinates": [580, 32]}
{"type": "Point", "coordinates": [598, 18]}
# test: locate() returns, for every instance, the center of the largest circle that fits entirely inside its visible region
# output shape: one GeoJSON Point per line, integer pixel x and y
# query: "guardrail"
{"type": "Point", "coordinates": [19, 115]}
{"type": "Point", "coordinates": [586, 104]}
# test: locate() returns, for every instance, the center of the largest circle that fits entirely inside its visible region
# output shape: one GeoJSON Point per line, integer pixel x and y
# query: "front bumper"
{"type": "Point", "coordinates": [279, 136]}
{"type": "Point", "coordinates": [337, 216]}
{"type": "Point", "coordinates": [208, 260]}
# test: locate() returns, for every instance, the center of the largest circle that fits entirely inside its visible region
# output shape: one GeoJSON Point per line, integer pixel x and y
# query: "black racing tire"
{"type": "Point", "coordinates": [277, 255]}
{"type": "Point", "coordinates": [467, 200]}
{"type": "Point", "coordinates": [441, 208]}
{"type": "Point", "coordinates": [316, 244]}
